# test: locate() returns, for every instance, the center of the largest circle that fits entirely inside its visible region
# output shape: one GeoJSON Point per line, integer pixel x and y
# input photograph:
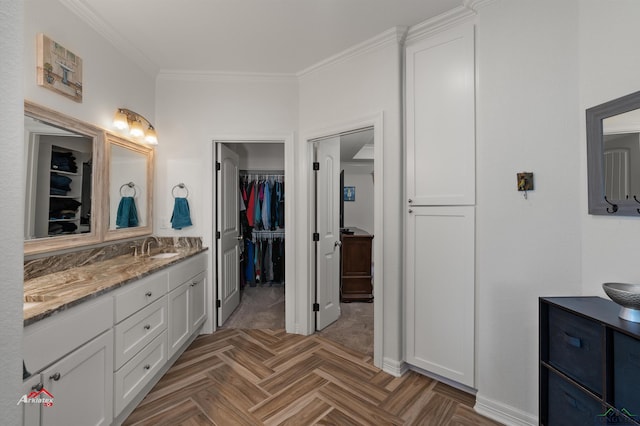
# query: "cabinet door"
{"type": "Point", "coordinates": [440, 120]}
{"type": "Point", "coordinates": [440, 298]}
{"type": "Point", "coordinates": [179, 320]}
{"type": "Point", "coordinates": [31, 411]}
{"type": "Point", "coordinates": [197, 302]}
{"type": "Point", "coordinates": [82, 385]}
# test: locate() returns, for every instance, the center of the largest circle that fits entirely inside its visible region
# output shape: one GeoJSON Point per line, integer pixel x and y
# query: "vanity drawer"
{"type": "Point", "coordinates": [186, 270]}
{"type": "Point", "coordinates": [136, 296]}
{"type": "Point", "coordinates": [569, 405]}
{"type": "Point", "coordinates": [576, 347]}
{"type": "Point", "coordinates": [134, 375]}
{"type": "Point", "coordinates": [134, 333]}
{"type": "Point", "coordinates": [626, 372]}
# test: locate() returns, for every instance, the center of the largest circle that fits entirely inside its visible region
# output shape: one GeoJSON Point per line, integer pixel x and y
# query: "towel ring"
{"type": "Point", "coordinates": [130, 185]}
{"type": "Point", "coordinates": [181, 186]}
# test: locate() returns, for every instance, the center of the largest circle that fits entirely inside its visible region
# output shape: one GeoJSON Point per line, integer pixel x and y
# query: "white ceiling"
{"type": "Point", "coordinates": [246, 36]}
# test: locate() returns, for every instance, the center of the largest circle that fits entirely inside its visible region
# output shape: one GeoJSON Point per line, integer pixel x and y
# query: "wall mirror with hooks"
{"type": "Point", "coordinates": [63, 195]}
{"type": "Point", "coordinates": [613, 156]}
{"type": "Point", "coordinates": [130, 188]}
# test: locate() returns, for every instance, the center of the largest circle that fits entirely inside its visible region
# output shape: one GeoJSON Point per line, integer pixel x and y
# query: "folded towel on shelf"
{"type": "Point", "coordinates": [127, 215]}
{"type": "Point", "coordinates": [181, 216]}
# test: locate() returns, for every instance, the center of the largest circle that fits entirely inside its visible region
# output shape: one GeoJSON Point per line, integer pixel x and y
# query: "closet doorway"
{"type": "Point", "coordinates": [344, 221]}
{"type": "Point", "coordinates": [250, 234]}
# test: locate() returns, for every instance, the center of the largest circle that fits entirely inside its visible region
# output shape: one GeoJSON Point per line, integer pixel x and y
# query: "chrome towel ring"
{"type": "Point", "coordinates": [176, 188]}
{"type": "Point", "coordinates": [129, 185]}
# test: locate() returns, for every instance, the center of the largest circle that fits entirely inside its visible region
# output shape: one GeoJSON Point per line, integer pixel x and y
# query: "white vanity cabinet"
{"type": "Point", "coordinates": [99, 359]}
{"type": "Point", "coordinates": [187, 309]}
{"type": "Point", "coordinates": [82, 385]}
{"type": "Point", "coordinates": [71, 355]}
{"type": "Point", "coordinates": [140, 336]}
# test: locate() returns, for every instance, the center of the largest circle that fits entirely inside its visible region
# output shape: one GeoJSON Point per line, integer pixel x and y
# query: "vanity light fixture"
{"type": "Point", "coordinates": [126, 119]}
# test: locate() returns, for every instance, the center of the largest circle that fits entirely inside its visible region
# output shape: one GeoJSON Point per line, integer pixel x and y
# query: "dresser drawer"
{"type": "Point", "coordinates": [626, 372]}
{"type": "Point", "coordinates": [569, 405]}
{"type": "Point", "coordinates": [134, 333]}
{"type": "Point", "coordinates": [136, 296]}
{"type": "Point", "coordinates": [135, 374]}
{"type": "Point", "coordinates": [575, 347]}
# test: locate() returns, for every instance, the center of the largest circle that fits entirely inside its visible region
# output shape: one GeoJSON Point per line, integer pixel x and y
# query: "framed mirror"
{"type": "Point", "coordinates": [613, 157]}
{"type": "Point", "coordinates": [129, 189]}
{"type": "Point", "coordinates": [63, 198]}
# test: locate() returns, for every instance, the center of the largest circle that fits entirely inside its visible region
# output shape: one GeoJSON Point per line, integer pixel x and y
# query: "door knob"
{"type": "Point", "coordinates": [410, 210]}
{"type": "Point", "coordinates": [239, 237]}
{"type": "Point", "coordinates": [337, 244]}
{"type": "Point", "coordinates": [410, 200]}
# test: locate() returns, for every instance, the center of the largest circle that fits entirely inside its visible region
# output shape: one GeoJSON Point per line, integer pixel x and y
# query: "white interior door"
{"type": "Point", "coordinates": [228, 225]}
{"type": "Point", "coordinates": [328, 226]}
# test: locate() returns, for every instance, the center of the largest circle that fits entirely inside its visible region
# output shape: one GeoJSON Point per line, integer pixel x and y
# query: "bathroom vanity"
{"type": "Point", "coordinates": [106, 332]}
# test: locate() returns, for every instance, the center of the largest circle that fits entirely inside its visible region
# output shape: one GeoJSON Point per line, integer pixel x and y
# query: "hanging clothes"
{"type": "Point", "coordinates": [262, 223]}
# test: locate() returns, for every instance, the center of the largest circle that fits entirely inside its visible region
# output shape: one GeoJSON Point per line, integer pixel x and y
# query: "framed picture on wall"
{"type": "Point", "coordinates": [58, 68]}
{"type": "Point", "coordinates": [349, 193]}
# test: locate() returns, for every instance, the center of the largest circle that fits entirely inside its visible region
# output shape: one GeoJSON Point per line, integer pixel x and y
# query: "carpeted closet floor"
{"type": "Point", "coordinates": [262, 307]}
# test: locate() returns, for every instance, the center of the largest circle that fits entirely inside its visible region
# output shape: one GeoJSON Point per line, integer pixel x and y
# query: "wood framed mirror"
{"type": "Point", "coordinates": [64, 166]}
{"type": "Point", "coordinates": [129, 169]}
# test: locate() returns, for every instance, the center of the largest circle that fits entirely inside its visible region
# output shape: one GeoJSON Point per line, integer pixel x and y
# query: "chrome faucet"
{"type": "Point", "coordinates": [148, 252]}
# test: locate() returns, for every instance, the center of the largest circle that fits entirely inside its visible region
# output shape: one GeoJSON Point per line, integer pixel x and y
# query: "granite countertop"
{"type": "Point", "coordinates": [55, 292]}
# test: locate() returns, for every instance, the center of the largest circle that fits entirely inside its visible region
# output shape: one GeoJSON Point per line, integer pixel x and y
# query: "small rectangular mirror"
{"type": "Point", "coordinates": [613, 156]}
{"type": "Point", "coordinates": [62, 201]}
{"type": "Point", "coordinates": [130, 188]}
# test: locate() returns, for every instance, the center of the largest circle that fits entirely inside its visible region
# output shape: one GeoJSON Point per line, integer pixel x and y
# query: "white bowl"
{"type": "Point", "coordinates": [627, 296]}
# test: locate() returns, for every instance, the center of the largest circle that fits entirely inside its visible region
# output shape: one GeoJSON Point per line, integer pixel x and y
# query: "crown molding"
{"type": "Point", "coordinates": [477, 4]}
{"type": "Point", "coordinates": [224, 76]}
{"type": "Point", "coordinates": [395, 35]}
{"type": "Point", "coordinates": [88, 15]}
{"type": "Point", "coordinates": [442, 22]}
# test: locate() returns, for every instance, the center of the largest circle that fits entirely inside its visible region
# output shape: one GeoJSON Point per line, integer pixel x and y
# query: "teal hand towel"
{"type": "Point", "coordinates": [127, 216]}
{"type": "Point", "coordinates": [181, 216]}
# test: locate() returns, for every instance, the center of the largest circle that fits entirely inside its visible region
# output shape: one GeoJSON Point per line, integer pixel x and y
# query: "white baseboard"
{"type": "Point", "coordinates": [503, 413]}
{"type": "Point", "coordinates": [393, 367]}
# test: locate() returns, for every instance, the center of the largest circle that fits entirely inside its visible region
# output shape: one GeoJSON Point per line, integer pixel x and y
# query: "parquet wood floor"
{"type": "Point", "coordinates": [269, 377]}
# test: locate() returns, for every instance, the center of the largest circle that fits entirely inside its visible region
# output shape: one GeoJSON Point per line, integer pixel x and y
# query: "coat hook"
{"type": "Point", "coordinates": [637, 201]}
{"type": "Point", "coordinates": [614, 207]}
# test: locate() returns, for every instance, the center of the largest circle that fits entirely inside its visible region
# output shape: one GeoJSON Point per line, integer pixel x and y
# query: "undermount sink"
{"type": "Point", "coordinates": [164, 255]}
{"type": "Point", "coordinates": [627, 296]}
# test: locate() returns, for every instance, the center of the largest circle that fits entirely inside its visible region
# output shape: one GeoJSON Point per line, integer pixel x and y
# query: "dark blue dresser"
{"type": "Point", "coordinates": [589, 363]}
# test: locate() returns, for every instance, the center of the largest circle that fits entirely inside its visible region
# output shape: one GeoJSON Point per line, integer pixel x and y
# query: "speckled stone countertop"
{"type": "Point", "coordinates": [47, 294]}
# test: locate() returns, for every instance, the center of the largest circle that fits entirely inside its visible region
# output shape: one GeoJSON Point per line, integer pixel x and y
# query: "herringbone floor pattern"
{"type": "Point", "coordinates": [268, 377]}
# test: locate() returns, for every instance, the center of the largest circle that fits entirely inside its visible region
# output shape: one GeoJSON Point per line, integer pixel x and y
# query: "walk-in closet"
{"type": "Point", "coordinates": [261, 271]}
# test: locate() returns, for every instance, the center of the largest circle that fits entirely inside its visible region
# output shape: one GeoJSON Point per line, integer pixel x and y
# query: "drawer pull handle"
{"type": "Point", "coordinates": [55, 377]}
{"type": "Point", "coordinates": [37, 387]}
{"type": "Point", "coordinates": [147, 367]}
{"type": "Point", "coordinates": [148, 294]}
{"type": "Point", "coordinates": [147, 327]}
{"type": "Point", "coordinates": [573, 341]}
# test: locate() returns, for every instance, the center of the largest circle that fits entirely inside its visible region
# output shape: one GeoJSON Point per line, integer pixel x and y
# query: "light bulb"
{"type": "Point", "coordinates": [120, 120]}
{"type": "Point", "coordinates": [136, 129]}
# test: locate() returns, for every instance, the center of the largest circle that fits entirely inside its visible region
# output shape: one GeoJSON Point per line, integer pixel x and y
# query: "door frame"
{"type": "Point", "coordinates": [289, 214]}
{"type": "Point", "coordinates": [305, 238]}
